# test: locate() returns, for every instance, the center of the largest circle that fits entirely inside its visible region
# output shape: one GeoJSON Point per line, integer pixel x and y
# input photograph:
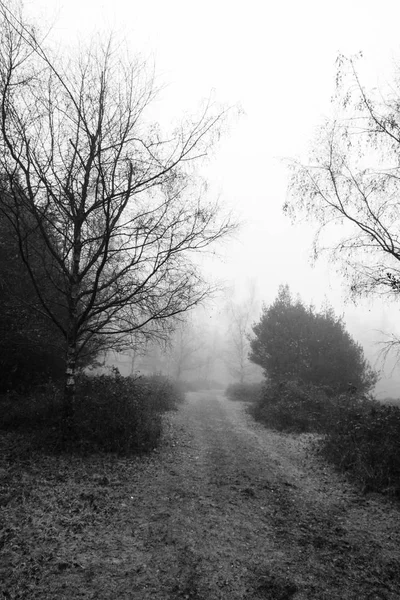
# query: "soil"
{"type": "Point", "coordinates": [223, 509]}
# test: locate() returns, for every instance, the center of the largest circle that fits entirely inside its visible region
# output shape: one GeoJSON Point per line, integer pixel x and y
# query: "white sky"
{"type": "Point", "coordinates": [277, 59]}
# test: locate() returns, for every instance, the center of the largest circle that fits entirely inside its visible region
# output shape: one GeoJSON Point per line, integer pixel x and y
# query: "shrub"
{"type": "Point", "coordinates": [293, 341]}
{"type": "Point", "coordinates": [165, 395]}
{"type": "Point", "coordinates": [294, 406]}
{"type": "Point", "coordinates": [246, 392]}
{"type": "Point", "coordinates": [116, 414]}
{"type": "Point", "coordinates": [361, 435]}
{"type": "Point", "coordinates": [41, 407]}
{"type": "Point", "coordinates": [112, 413]}
{"type": "Point", "coordinates": [200, 385]}
{"type": "Point", "coordinates": [364, 439]}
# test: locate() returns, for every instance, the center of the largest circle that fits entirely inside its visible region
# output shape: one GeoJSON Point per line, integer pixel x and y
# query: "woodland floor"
{"type": "Point", "coordinates": [224, 509]}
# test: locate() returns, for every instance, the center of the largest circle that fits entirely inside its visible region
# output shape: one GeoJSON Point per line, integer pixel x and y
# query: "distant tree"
{"type": "Point", "coordinates": [240, 315]}
{"type": "Point", "coordinates": [114, 202]}
{"type": "Point", "coordinates": [353, 181]}
{"type": "Point", "coordinates": [184, 350]}
{"type": "Point", "coordinates": [294, 342]}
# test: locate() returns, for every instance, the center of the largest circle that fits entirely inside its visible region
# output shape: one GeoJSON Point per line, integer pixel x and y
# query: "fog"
{"type": "Point", "coordinates": [276, 62]}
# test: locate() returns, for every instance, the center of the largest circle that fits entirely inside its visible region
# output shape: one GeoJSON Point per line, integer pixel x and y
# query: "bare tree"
{"type": "Point", "coordinates": [184, 350]}
{"type": "Point", "coordinates": [115, 202]}
{"type": "Point", "coordinates": [209, 367]}
{"type": "Point", "coordinates": [240, 317]}
{"type": "Point", "coordinates": [353, 181]}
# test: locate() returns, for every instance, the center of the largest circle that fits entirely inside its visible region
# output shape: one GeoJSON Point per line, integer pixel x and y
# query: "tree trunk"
{"type": "Point", "coordinates": [69, 390]}
{"type": "Point", "coordinates": [72, 338]}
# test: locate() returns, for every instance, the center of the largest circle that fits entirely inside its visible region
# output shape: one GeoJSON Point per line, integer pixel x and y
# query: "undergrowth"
{"type": "Point", "coordinates": [112, 413]}
{"type": "Point", "coordinates": [245, 392]}
{"type": "Point", "coordinates": [364, 439]}
{"type": "Point", "coordinates": [359, 435]}
{"type": "Point", "coordinates": [291, 406]}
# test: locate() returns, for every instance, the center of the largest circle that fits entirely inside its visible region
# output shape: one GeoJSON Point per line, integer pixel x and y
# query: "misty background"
{"type": "Point", "coordinates": [276, 62]}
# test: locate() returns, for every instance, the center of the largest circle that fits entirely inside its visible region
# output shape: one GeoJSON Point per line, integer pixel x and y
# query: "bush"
{"type": "Point", "coordinates": [112, 413]}
{"type": "Point", "coordinates": [294, 406]}
{"type": "Point", "coordinates": [361, 436]}
{"type": "Point", "coordinates": [200, 385]}
{"type": "Point", "coordinates": [35, 410]}
{"type": "Point", "coordinates": [294, 342]}
{"type": "Point", "coordinates": [364, 439]}
{"type": "Point", "coordinates": [165, 395]}
{"type": "Point", "coordinates": [116, 414]}
{"type": "Point", "coordinates": [246, 392]}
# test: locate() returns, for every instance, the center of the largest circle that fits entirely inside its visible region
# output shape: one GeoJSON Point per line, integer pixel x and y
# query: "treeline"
{"type": "Point", "coordinates": [318, 380]}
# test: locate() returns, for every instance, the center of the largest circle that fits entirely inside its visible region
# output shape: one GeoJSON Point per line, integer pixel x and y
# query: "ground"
{"type": "Point", "coordinates": [223, 509]}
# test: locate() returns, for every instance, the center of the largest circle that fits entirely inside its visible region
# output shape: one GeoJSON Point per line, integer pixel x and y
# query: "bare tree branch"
{"type": "Point", "coordinates": [114, 201]}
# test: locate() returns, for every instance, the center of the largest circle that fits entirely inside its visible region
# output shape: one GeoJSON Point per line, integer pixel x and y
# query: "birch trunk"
{"type": "Point", "coordinates": [70, 387]}
{"type": "Point", "coordinates": [72, 339]}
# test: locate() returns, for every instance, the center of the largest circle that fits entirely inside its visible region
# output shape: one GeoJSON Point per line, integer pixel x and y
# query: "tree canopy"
{"type": "Point", "coordinates": [351, 184]}
{"type": "Point", "coordinates": [295, 342]}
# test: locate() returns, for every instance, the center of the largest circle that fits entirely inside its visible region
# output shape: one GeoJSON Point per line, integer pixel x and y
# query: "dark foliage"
{"type": "Point", "coordinates": [293, 406]}
{"type": "Point", "coordinates": [164, 394]}
{"type": "Point", "coordinates": [364, 439]}
{"type": "Point", "coordinates": [295, 343]}
{"type": "Point", "coordinates": [112, 413]}
{"type": "Point", "coordinates": [359, 435]}
{"type": "Point", "coordinates": [246, 392]}
{"type": "Point", "coordinates": [117, 414]}
{"type": "Point", "coordinates": [31, 347]}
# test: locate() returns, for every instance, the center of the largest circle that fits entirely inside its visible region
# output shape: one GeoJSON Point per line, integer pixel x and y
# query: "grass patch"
{"type": "Point", "coordinates": [57, 513]}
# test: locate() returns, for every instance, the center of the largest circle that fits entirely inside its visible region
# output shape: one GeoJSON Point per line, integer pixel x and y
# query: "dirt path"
{"type": "Point", "coordinates": [235, 511]}
{"type": "Point", "coordinates": [227, 510]}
